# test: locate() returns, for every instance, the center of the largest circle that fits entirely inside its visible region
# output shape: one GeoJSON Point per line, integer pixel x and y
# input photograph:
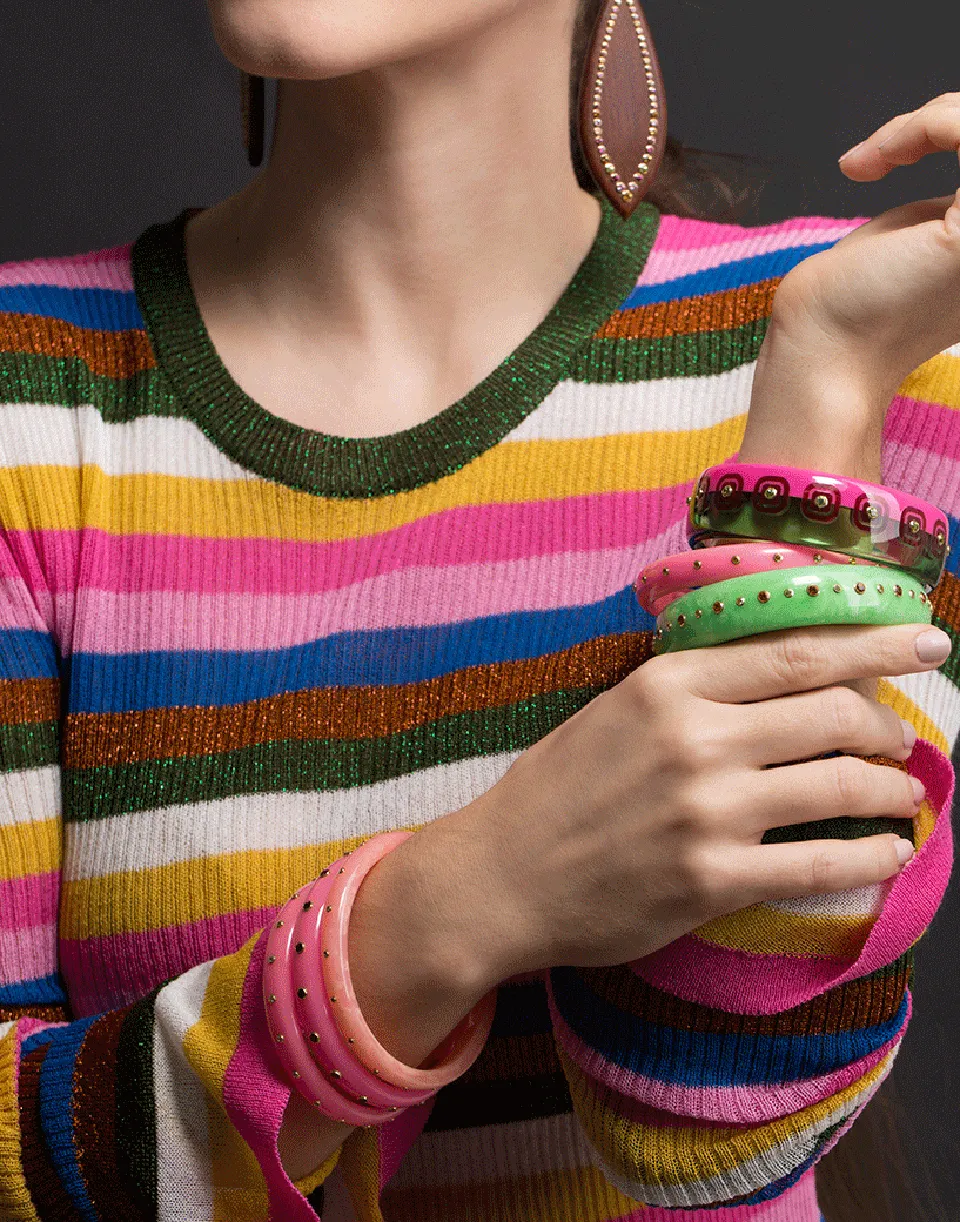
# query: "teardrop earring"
{"type": "Point", "coordinates": [252, 115]}
{"type": "Point", "coordinates": [622, 116]}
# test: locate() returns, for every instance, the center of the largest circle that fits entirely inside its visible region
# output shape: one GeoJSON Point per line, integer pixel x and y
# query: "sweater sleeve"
{"type": "Point", "coordinates": [173, 1096]}
{"type": "Point", "coordinates": [721, 1068]}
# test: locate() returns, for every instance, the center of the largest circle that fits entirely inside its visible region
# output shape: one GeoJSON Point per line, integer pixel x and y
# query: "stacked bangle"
{"type": "Point", "coordinates": [814, 509]}
{"type": "Point", "coordinates": [318, 1034]}
{"type": "Point", "coordinates": [793, 598]}
{"type": "Point", "coordinates": [665, 581]}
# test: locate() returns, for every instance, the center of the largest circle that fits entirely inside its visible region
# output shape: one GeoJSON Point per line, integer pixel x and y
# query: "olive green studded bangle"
{"type": "Point", "coordinates": [790, 598]}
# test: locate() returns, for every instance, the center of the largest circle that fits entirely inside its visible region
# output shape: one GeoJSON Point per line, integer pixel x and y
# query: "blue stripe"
{"type": "Point", "coordinates": [101, 309]}
{"type": "Point", "coordinates": [727, 276]}
{"type": "Point", "coordinates": [56, 1111]}
{"type": "Point", "coordinates": [121, 682]}
{"type": "Point", "coordinates": [44, 991]}
{"type": "Point", "coordinates": [695, 1058]}
{"type": "Point", "coordinates": [27, 654]}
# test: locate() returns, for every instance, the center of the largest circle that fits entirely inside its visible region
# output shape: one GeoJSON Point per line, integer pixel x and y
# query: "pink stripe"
{"type": "Point", "coordinates": [255, 1097]}
{"type": "Point", "coordinates": [928, 427]}
{"type": "Point", "coordinates": [797, 1204]}
{"type": "Point", "coordinates": [468, 535]}
{"type": "Point", "coordinates": [726, 1104]}
{"type": "Point", "coordinates": [677, 233]}
{"type": "Point", "coordinates": [766, 984]}
{"type": "Point", "coordinates": [125, 623]}
{"type": "Point", "coordinates": [28, 952]}
{"type": "Point", "coordinates": [97, 269]}
{"type": "Point", "coordinates": [668, 264]}
{"type": "Point", "coordinates": [104, 973]}
{"type": "Point", "coordinates": [30, 899]}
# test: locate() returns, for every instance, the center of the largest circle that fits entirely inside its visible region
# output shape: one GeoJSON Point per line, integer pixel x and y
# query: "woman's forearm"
{"type": "Point", "coordinates": [423, 951]}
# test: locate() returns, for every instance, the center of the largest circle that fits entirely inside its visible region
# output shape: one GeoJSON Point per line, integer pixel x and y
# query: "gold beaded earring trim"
{"type": "Point", "coordinates": [252, 115]}
{"type": "Point", "coordinates": [622, 114]}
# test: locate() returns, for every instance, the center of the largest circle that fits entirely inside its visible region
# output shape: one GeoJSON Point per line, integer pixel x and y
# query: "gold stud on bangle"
{"type": "Point", "coordinates": [324, 872]}
{"type": "Point", "coordinates": [699, 615]}
{"type": "Point", "coordinates": [788, 592]}
{"type": "Point", "coordinates": [697, 564]}
{"type": "Point", "coordinates": [336, 1074]}
{"type": "Point", "coordinates": [734, 559]}
{"type": "Point", "coordinates": [837, 589]}
{"type": "Point", "coordinates": [777, 557]}
{"type": "Point", "coordinates": [279, 1037]}
{"type": "Point", "coordinates": [681, 621]}
{"type": "Point", "coordinates": [271, 999]}
{"type": "Point", "coordinates": [332, 998]}
{"type": "Point", "coordinates": [880, 589]}
{"type": "Point", "coordinates": [763, 596]}
{"type": "Point", "coordinates": [301, 992]}
{"type": "Point", "coordinates": [741, 602]}
{"type": "Point", "coordinates": [271, 958]}
{"type": "Point", "coordinates": [314, 1037]}
{"type": "Point", "coordinates": [717, 608]}
{"type": "Point", "coordinates": [860, 588]}
{"type": "Point", "coordinates": [911, 593]}
{"type": "Point", "coordinates": [817, 558]}
{"type": "Point", "coordinates": [279, 924]}
{"type": "Point", "coordinates": [308, 905]}
{"type": "Point", "coordinates": [326, 954]}
{"type": "Point", "coordinates": [898, 591]}
{"type": "Point", "coordinates": [666, 571]}
{"type": "Point", "coordinates": [813, 591]}
{"type": "Point", "coordinates": [329, 909]}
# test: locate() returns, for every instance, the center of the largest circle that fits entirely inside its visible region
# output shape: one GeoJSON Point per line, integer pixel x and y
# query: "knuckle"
{"type": "Point", "coordinates": [822, 871]}
{"type": "Point", "coordinates": [843, 711]}
{"type": "Point", "coordinates": [848, 782]}
{"type": "Point", "coordinates": [796, 659]}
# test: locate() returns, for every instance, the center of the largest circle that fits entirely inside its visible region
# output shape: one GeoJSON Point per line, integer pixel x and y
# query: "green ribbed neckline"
{"type": "Point", "coordinates": [312, 461]}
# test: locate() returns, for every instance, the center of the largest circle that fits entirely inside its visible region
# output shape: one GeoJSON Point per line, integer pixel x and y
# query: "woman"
{"type": "Point", "coordinates": [321, 509]}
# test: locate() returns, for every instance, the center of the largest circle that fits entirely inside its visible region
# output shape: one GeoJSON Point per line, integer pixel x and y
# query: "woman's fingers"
{"type": "Point", "coordinates": [834, 719]}
{"type": "Point", "coordinates": [840, 788]}
{"type": "Point", "coordinates": [934, 128]}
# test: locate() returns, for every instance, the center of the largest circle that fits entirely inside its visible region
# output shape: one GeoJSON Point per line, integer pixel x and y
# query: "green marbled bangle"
{"type": "Point", "coordinates": [790, 598]}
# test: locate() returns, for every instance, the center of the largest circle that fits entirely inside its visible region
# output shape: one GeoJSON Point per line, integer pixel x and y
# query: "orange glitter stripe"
{"type": "Point", "coordinates": [113, 354]}
{"type": "Point", "coordinates": [96, 739]}
{"type": "Point", "coordinates": [690, 315]}
{"type": "Point", "coordinates": [29, 700]}
{"type": "Point", "coordinates": [946, 601]}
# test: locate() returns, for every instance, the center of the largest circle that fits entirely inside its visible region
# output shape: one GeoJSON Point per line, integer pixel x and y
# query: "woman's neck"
{"type": "Point", "coordinates": [413, 224]}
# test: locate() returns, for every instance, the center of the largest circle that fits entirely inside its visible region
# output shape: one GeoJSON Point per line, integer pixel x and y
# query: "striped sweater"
{"type": "Point", "coordinates": [231, 648]}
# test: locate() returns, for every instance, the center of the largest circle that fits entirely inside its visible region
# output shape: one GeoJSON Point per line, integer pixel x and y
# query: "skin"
{"type": "Point", "coordinates": [419, 215]}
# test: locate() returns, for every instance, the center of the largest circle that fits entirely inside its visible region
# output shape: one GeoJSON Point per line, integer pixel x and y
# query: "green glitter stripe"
{"type": "Point", "coordinates": [838, 829]}
{"type": "Point", "coordinates": [68, 381]}
{"type": "Point", "coordinates": [312, 461]}
{"type": "Point", "coordinates": [135, 1118]}
{"type": "Point", "coordinates": [32, 745]}
{"type": "Point", "coordinates": [301, 766]}
{"type": "Point", "coordinates": [673, 356]}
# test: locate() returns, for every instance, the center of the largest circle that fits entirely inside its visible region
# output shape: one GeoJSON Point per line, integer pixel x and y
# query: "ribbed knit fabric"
{"type": "Point", "coordinates": [231, 648]}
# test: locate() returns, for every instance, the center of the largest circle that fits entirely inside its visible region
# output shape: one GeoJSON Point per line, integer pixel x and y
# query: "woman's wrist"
{"type": "Point", "coordinates": [815, 403]}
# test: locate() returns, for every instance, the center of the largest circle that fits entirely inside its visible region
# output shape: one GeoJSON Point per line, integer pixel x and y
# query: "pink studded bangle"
{"type": "Point", "coordinates": [328, 1045]}
{"type": "Point", "coordinates": [662, 583]}
{"type": "Point", "coordinates": [288, 1041]}
{"type": "Point", "coordinates": [455, 1054]}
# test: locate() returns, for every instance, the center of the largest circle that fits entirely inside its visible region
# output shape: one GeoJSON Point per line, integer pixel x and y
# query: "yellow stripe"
{"type": "Point", "coordinates": [674, 1156]}
{"type": "Point", "coordinates": [308, 1183]}
{"type": "Point", "coordinates": [761, 930]}
{"type": "Point", "coordinates": [15, 1202]}
{"type": "Point", "coordinates": [936, 381]}
{"type": "Point", "coordinates": [239, 1188]}
{"type": "Point", "coordinates": [360, 1166]}
{"type": "Point", "coordinates": [41, 497]}
{"type": "Point", "coordinates": [186, 891]}
{"type": "Point", "coordinates": [30, 848]}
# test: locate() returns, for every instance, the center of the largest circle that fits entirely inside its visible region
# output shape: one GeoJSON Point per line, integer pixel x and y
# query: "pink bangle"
{"type": "Point", "coordinates": [817, 509]}
{"type": "Point", "coordinates": [662, 583]}
{"type": "Point", "coordinates": [289, 1044]}
{"type": "Point", "coordinates": [328, 1045]}
{"type": "Point", "coordinates": [455, 1054]}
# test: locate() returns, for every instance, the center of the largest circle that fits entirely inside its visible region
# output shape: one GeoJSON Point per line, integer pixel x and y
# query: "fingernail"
{"type": "Point", "coordinates": [933, 645]}
{"type": "Point", "coordinates": [919, 790]}
{"type": "Point", "coordinates": [850, 152]}
{"type": "Point", "coordinates": [909, 735]}
{"type": "Point", "coordinates": [905, 851]}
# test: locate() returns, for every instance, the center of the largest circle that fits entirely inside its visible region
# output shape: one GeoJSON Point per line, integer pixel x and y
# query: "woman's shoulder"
{"type": "Point", "coordinates": [64, 321]}
{"type": "Point", "coordinates": [691, 257]}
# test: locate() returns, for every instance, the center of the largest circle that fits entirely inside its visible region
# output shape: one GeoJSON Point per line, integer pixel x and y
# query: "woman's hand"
{"type": "Point", "coordinates": [641, 817]}
{"type": "Point", "coordinates": [850, 323]}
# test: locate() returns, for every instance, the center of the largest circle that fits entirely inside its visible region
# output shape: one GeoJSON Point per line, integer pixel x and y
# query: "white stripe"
{"type": "Point", "coordinates": [576, 410]}
{"type": "Point", "coordinates": [748, 1176]}
{"type": "Point", "coordinates": [148, 839]}
{"type": "Point", "coordinates": [30, 796]}
{"type": "Point", "coordinates": [954, 350]}
{"type": "Point", "coordinates": [935, 695]}
{"type": "Point", "coordinates": [47, 434]}
{"type": "Point", "coordinates": [855, 902]}
{"type": "Point", "coordinates": [184, 1179]}
{"type": "Point", "coordinates": [5, 1029]}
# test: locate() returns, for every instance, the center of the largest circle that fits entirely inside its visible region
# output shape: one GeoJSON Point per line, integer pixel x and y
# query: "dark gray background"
{"type": "Point", "coordinates": [116, 114]}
